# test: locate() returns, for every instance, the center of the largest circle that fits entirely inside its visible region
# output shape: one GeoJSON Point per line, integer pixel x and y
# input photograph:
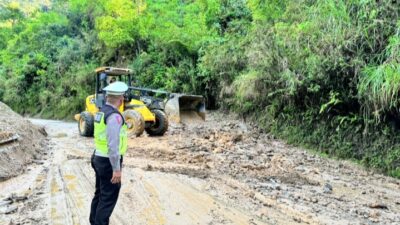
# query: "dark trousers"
{"type": "Point", "coordinates": [106, 194]}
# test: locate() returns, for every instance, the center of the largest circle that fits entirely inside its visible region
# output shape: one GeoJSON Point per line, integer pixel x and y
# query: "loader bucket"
{"type": "Point", "coordinates": [181, 107]}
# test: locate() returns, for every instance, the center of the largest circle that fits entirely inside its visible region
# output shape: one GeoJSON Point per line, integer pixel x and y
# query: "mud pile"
{"type": "Point", "coordinates": [21, 143]}
{"type": "Point", "coordinates": [301, 187]}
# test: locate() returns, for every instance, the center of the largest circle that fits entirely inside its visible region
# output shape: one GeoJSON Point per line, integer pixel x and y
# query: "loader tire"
{"type": "Point", "coordinates": [86, 124]}
{"type": "Point", "coordinates": [135, 122]}
{"type": "Point", "coordinates": [160, 126]}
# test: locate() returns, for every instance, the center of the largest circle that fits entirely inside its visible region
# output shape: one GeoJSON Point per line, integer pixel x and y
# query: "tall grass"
{"type": "Point", "coordinates": [379, 86]}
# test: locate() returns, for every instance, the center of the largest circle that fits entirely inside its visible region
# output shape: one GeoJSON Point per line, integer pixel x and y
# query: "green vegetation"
{"type": "Point", "coordinates": [324, 74]}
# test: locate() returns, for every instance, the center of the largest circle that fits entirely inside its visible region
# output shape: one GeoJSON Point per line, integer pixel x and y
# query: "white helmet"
{"type": "Point", "coordinates": [116, 88]}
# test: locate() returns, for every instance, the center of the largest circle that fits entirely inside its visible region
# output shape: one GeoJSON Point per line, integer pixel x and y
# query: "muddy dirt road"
{"type": "Point", "coordinates": [216, 172]}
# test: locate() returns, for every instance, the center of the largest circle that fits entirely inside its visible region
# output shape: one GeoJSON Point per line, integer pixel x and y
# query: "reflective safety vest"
{"type": "Point", "coordinates": [100, 131]}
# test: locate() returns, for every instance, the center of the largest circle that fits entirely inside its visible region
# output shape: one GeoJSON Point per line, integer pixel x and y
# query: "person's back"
{"type": "Point", "coordinates": [111, 143]}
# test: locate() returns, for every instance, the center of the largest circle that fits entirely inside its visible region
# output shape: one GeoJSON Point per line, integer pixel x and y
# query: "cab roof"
{"type": "Point", "coordinates": [113, 70]}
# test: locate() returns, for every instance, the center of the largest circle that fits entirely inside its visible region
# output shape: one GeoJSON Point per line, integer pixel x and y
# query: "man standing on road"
{"type": "Point", "coordinates": [111, 143]}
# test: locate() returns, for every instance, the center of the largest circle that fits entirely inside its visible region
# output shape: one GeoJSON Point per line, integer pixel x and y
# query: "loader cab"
{"type": "Point", "coordinates": [101, 82]}
{"type": "Point", "coordinates": [106, 76]}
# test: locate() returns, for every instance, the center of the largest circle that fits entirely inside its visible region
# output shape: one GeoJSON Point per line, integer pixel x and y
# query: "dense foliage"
{"type": "Point", "coordinates": [325, 74]}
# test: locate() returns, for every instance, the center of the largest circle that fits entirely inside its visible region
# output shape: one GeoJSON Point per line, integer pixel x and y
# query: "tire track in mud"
{"type": "Point", "coordinates": [60, 208]}
{"type": "Point", "coordinates": [150, 197]}
{"type": "Point", "coordinates": [74, 193]}
{"type": "Point", "coordinates": [176, 199]}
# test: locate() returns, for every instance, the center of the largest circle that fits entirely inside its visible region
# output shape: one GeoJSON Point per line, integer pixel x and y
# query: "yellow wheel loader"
{"type": "Point", "coordinates": [143, 110]}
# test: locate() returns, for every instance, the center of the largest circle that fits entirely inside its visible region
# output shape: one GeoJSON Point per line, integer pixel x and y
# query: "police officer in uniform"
{"type": "Point", "coordinates": [110, 136]}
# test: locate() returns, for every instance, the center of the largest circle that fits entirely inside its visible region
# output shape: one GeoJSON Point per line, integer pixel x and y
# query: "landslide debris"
{"type": "Point", "coordinates": [21, 143]}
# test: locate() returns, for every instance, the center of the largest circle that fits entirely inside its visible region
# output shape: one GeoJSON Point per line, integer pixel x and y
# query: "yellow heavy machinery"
{"type": "Point", "coordinates": [143, 110]}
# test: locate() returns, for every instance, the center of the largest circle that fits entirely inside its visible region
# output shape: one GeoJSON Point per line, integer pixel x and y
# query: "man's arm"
{"type": "Point", "coordinates": [114, 124]}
